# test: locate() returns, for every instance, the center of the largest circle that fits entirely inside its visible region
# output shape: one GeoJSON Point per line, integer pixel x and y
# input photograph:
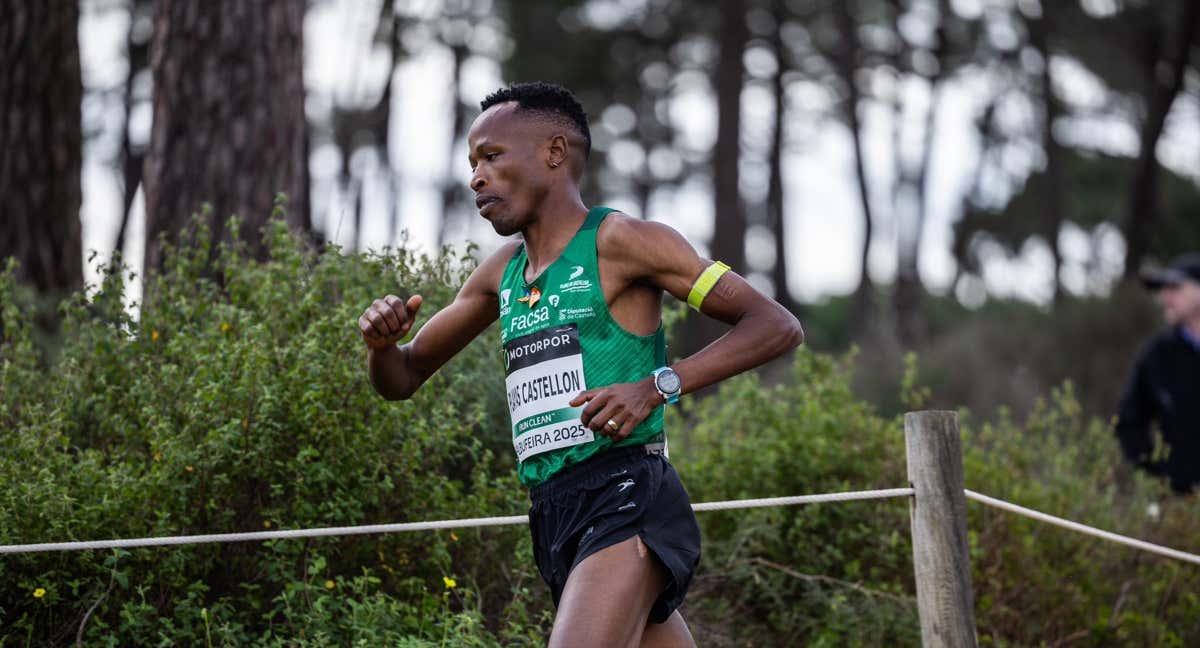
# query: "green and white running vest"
{"type": "Point", "coordinates": [559, 339]}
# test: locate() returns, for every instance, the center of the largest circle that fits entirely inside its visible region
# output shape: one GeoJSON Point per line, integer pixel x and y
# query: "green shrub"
{"type": "Point", "coordinates": [841, 574]}
{"type": "Point", "coordinates": [827, 574]}
{"type": "Point", "coordinates": [237, 400]}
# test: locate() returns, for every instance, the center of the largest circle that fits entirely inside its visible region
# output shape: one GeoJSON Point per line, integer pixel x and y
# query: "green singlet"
{"type": "Point", "coordinates": [559, 339]}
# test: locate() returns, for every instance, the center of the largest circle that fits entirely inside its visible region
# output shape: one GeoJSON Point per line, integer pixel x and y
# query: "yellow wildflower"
{"type": "Point", "coordinates": [225, 327]}
{"type": "Point", "coordinates": [453, 537]}
{"type": "Point", "coordinates": [450, 582]}
{"type": "Point", "coordinates": [330, 584]}
{"type": "Point", "coordinates": [39, 593]}
{"type": "Point", "coordinates": [189, 468]}
{"type": "Point", "coordinates": [266, 524]}
{"type": "Point", "coordinates": [154, 336]}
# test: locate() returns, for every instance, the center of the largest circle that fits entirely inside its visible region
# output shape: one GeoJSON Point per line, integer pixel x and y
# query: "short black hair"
{"type": "Point", "coordinates": [549, 99]}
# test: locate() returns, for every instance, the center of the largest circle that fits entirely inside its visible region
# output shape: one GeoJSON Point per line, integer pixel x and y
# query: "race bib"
{"type": "Point", "coordinates": [544, 371]}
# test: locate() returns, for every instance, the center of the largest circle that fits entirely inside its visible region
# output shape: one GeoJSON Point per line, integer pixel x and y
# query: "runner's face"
{"type": "Point", "coordinates": [1180, 302]}
{"type": "Point", "coordinates": [509, 174]}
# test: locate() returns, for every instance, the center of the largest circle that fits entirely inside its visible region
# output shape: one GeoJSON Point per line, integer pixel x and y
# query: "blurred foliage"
{"type": "Point", "coordinates": [1004, 354]}
{"type": "Point", "coordinates": [1097, 185]}
{"type": "Point", "coordinates": [237, 400]}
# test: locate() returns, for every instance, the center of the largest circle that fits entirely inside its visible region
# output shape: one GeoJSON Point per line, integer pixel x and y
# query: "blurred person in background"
{"type": "Point", "coordinates": [1165, 385]}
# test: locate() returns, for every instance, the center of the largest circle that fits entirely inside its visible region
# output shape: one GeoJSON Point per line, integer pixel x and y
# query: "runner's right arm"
{"type": "Point", "coordinates": [397, 371]}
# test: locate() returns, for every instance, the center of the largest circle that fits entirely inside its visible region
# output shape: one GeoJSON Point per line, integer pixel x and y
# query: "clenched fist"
{"type": "Point", "coordinates": [388, 320]}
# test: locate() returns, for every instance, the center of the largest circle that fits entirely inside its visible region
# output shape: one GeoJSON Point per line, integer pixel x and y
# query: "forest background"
{"type": "Point", "coordinates": [972, 182]}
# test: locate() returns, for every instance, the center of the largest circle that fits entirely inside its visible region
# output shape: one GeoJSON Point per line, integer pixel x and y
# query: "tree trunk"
{"type": "Point", "coordinates": [729, 216]}
{"type": "Point", "coordinates": [911, 219]}
{"type": "Point", "coordinates": [133, 156]}
{"type": "Point", "coordinates": [775, 191]}
{"type": "Point", "coordinates": [391, 28]}
{"type": "Point", "coordinates": [909, 288]}
{"type": "Point", "coordinates": [41, 139]}
{"type": "Point", "coordinates": [451, 188]}
{"type": "Point", "coordinates": [729, 231]}
{"type": "Point", "coordinates": [1143, 205]}
{"type": "Point", "coordinates": [1053, 193]}
{"type": "Point", "coordinates": [845, 61]}
{"type": "Point", "coordinates": [357, 241]}
{"type": "Point", "coordinates": [229, 124]}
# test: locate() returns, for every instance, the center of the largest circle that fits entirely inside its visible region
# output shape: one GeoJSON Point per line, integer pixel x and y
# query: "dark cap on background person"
{"type": "Point", "coordinates": [1183, 268]}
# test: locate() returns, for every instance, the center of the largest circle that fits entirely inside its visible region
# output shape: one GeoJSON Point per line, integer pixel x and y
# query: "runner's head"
{"type": "Point", "coordinates": [529, 138]}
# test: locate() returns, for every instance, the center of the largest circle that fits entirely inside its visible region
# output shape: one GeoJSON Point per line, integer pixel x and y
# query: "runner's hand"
{"type": "Point", "coordinates": [388, 320]}
{"type": "Point", "coordinates": [626, 403]}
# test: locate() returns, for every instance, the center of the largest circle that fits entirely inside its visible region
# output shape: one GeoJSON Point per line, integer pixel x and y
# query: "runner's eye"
{"type": "Point", "coordinates": [487, 156]}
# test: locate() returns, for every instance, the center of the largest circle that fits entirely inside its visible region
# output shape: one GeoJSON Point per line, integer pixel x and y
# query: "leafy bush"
{"type": "Point", "coordinates": [829, 574]}
{"type": "Point", "coordinates": [237, 400]}
{"type": "Point", "coordinates": [841, 574]}
{"type": "Point", "coordinates": [1039, 583]}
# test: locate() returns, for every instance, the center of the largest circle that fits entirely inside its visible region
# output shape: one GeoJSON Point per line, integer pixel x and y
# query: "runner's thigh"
{"type": "Point", "coordinates": [673, 633]}
{"type": "Point", "coordinates": [607, 598]}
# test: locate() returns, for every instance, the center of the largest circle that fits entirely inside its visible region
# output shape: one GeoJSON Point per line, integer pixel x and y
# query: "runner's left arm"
{"type": "Point", "coordinates": [762, 328]}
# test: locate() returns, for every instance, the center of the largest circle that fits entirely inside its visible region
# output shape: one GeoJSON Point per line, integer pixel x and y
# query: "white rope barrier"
{"type": "Point", "coordinates": [419, 526]}
{"type": "Point", "coordinates": [803, 499]}
{"type": "Point", "coordinates": [522, 519]}
{"type": "Point", "coordinates": [265, 535]}
{"type": "Point", "coordinates": [1084, 529]}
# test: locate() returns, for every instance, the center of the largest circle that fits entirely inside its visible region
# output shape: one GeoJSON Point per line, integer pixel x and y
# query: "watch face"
{"type": "Point", "coordinates": [667, 381]}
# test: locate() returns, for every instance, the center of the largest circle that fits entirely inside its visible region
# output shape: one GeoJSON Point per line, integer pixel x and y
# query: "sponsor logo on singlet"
{"type": "Point", "coordinates": [529, 320]}
{"type": "Point", "coordinates": [574, 284]}
{"type": "Point", "coordinates": [544, 371]}
{"type": "Point", "coordinates": [576, 313]}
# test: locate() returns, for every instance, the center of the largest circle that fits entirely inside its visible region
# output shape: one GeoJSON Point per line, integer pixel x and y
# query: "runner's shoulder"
{"type": "Point", "coordinates": [628, 240]}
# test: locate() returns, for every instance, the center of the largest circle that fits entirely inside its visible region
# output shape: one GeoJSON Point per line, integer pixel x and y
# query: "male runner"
{"type": "Point", "coordinates": [579, 298]}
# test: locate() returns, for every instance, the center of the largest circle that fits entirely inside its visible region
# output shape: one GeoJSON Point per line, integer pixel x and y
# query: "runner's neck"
{"type": "Point", "coordinates": [549, 234]}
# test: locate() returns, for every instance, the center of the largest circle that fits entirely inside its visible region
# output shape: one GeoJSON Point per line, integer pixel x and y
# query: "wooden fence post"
{"type": "Point", "coordinates": [941, 558]}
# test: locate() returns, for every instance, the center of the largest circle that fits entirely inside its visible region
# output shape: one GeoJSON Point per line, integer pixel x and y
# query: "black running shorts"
{"type": "Point", "coordinates": [608, 499]}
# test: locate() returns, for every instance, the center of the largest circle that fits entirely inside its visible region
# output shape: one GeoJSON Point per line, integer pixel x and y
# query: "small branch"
{"type": "Point", "coordinates": [304, 573]}
{"type": "Point", "coordinates": [1072, 638]}
{"type": "Point", "coordinates": [829, 580]}
{"type": "Point", "coordinates": [112, 579]}
{"type": "Point", "coordinates": [1120, 603]}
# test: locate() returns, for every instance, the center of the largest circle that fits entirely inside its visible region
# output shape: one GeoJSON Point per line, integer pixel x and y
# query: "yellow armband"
{"type": "Point", "coordinates": [705, 283]}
